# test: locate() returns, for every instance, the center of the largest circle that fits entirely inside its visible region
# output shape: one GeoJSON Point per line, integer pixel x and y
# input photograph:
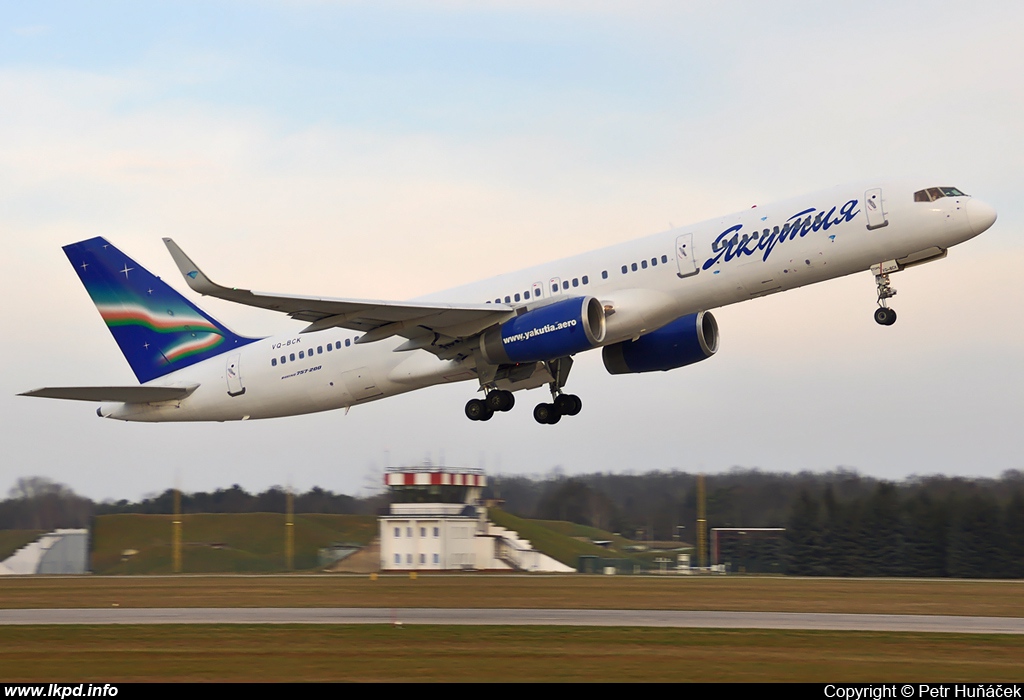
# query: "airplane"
{"type": "Point", "coordinates": [646, 303]}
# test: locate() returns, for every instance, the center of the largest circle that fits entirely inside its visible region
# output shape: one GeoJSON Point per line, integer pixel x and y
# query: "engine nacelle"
{"type": "Point", "coordinates": [682, 342]}
{"type": "Point", "coordinates": [556, 330]}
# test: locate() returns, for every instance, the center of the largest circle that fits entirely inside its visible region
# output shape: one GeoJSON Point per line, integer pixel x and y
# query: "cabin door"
{"type": "Point", "coordinates": [234, 375]}
{"type": "Point", "coordinates": [685, 258]}
{"type": "Point", "coordinates": [874, 207]}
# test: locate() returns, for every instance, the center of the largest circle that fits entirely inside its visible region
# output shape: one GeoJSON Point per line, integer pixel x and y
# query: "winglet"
{"type": "Point", "coordinates": [194, 277]}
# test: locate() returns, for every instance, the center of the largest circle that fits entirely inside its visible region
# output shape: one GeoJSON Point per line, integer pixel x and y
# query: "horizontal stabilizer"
{"type": "Point", "coordinates": [125, 394]}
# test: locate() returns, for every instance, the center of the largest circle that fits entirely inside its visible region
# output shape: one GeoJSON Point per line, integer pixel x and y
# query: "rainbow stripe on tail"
{"type": "Point", "coordinates": [158, 330]}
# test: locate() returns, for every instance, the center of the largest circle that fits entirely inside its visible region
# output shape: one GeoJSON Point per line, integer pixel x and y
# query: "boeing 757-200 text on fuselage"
{"type": "Point", "coordinates": [644, 302]}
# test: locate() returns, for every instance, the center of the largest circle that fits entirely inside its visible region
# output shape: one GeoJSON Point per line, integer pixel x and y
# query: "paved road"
{"type": "Point", "coordinates": [494, 616]}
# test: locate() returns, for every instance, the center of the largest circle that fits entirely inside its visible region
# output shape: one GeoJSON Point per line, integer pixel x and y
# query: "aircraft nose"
{"type": "Point", "coordinates": [980, 215]}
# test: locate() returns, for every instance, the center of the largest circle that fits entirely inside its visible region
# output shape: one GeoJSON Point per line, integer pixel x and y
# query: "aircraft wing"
{"type": "Point", "coordinates": [426, 325]}
{"type": "Point", "coordinates": [125, 394]}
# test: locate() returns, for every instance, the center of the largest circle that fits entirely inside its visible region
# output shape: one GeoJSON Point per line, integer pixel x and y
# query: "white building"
{"type": "Point", "coordinates": [436, 524]}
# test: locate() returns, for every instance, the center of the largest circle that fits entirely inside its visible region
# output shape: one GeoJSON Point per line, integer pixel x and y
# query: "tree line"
{"type": "Point", "coordinates": [838, 523]}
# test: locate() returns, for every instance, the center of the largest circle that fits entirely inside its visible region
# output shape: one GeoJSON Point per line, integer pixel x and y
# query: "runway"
{"type": "Point", "coordinates": [498, 616]}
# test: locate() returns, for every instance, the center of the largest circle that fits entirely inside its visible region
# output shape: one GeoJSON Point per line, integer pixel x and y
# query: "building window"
{"type": "Point", "coordinates": [408, 559]}
{"type": "Point", "coordinates": [437, 559]}
{"type": "Point", "coordinates": [423, 559]}
{"type": "Point", "coordinates": [398, 558]}
{"type": "Point", "coordinates": [423, 532]}
{"type": "Point", "coordinates": [398, 532]}
{"type": "Point", "coordinates": [408, 532]}
{"type": "Point", "coordinates": [437, 532]}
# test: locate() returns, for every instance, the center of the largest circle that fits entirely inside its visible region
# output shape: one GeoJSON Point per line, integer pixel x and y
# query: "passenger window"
{"type": "Point", "coordinates": [282, 359]}
{"type": "Point", "coordinates": [586, 280]}
{"type": "Point", "coordinates": [508, 300]}
{"type": "Point", "coordinates": [273, 362]}
{"type": "Point", "coordinates": [330, 347]}
{"type": "Point", "coordinates": [643, 264]}
{"type": "Point", "coordinates": [565, 284]}
{"type": "Point", "coordinates": [664, 258]}
{"type": "Point", "coordinates": [319, 349]}
{"type": "Point", "coordinates": [517, 296]}
{"type": "Point", "coordinates": [654, 262]}
{"type": "Point", "coordinates": [526, 295]}
{"type": "Point", "coordinates": [337, 345]}
{"type": "Point", "coordinates": [554, 287]}
{"type": "Point", "coordinates": [291, 356]}
{"type": "Point", "coordinates": [624, 269]}
{"type": "Point", "coordinates": [348, 341]}
{"type": "Point", "coordinates": [633, 267]}
{"type": "Point", "coordinates": [301, 355]}
{"type": "Point", "coordinates": [604, 274]}
{"type": "Point", "coordinates": [575, 282]}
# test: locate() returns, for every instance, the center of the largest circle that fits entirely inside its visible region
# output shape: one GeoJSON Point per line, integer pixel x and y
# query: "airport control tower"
{"type": "Point", "coordinates": [436, 523]}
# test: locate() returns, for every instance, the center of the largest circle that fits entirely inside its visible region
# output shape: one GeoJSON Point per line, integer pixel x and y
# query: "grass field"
{"type": "Point", "coordinates": [496, 654]}
{"type": "Point", "coordinates": [736, 593]}
{"type": "Point", "coordinates": [219, 542]}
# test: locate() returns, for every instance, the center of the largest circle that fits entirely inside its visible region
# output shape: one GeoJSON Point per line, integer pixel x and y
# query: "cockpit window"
{"type": "Point", "coordinates": [933, 193]}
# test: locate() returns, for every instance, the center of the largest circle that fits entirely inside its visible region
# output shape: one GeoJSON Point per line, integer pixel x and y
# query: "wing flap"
{"type": "Point", "coordinates": [124, 394]}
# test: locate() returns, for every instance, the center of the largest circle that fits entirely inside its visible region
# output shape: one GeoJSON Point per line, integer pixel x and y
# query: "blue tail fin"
{"type": "Point", "coordinates": [158, 330]}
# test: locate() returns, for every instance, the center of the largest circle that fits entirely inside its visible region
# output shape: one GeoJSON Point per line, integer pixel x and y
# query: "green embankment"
{"type": "Point", "coordinates": [219, 542]}
{"type": "Point", "coordinates": [13, 540]}
{"type": "Point", "coordinates": [556, 538]}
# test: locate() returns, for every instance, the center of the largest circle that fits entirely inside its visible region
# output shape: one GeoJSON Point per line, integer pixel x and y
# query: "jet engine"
{"type": "Point", "coordinates": [556, 330]}
{"type": "Point", "coordinates": [682, 342]}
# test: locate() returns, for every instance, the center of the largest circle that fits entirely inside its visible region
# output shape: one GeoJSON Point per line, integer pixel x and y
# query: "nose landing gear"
{"type": "Point", "coordinates": [884, 316]}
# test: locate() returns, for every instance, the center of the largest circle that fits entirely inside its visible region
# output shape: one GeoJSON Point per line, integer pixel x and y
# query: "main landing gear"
{"type": "Point", "coordinates": [563, 405]}
{"type": "Point", "coordinates": [497, 401]}
{"type": "Point", "coordinates": [883, 314]}
{"type": "Point", "coordinates": [500, 400]}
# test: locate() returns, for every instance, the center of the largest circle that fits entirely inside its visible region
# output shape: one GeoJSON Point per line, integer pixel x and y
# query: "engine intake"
{"type": "Point", "coordinates": [556, 330]}
{"type": "Point", "coordinates": [682, 342]}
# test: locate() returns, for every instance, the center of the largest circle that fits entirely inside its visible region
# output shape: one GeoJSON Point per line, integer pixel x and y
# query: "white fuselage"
{"type": "Point", "coordinates": [667, 275]}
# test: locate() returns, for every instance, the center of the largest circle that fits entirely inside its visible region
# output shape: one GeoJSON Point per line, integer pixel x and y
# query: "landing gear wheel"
{"type": "Point", "coordinates": [546, 413]}
{"type": "Point", "coordinates": [568, 404]}
{"type": "Point", "coordinates": [885, 316]}
{"type": "Point", "coordinates": [478, 410]}
{"type": "Point", "coordinates": [500, 400]}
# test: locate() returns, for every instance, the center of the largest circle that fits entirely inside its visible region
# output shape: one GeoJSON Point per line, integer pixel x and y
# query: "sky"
{"type": "Point", "coordinates": [394, 149]}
